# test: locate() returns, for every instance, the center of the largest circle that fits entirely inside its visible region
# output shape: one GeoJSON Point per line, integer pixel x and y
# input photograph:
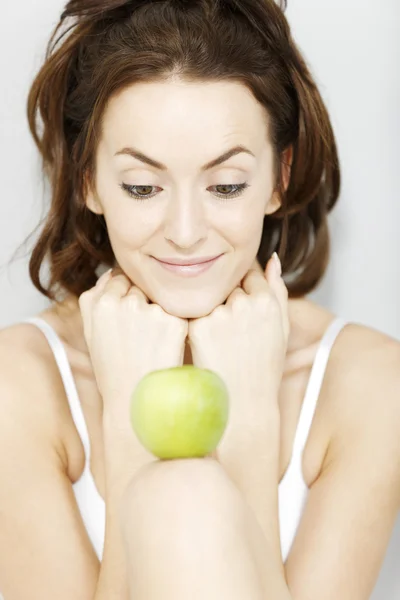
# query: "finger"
{"type": "Point", "coordinates": [255, 282]}
{"type": "Point", "coordinates": [237, 292]}
{"type": "Point", "coordinates": [118, 285]}
{"type": "Point", "coordinates": [137, 293]}
{"type": "Point", "coordinates": [85, 303]}
{"type": "Point", "coordinates": [102, 280]}
{"type": "Point", "coordinates": [279, 288]}
{"type": "Point", "coordinates": [123, 287]}
{"type": "Point", "coordinates": [86, 300]}
{"type": "Point", "coordinates": [257, 267]}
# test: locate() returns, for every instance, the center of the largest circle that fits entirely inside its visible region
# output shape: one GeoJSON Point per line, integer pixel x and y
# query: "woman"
{"type": "Point", "coordinates": [178, 131]}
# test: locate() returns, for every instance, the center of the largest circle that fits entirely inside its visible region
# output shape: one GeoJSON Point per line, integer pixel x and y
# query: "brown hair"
{"type": "Point", "coordinates": [115, 43]}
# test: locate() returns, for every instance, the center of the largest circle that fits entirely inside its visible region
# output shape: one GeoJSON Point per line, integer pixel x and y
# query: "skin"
{"type": "Point", "coordinates": [184, 218]}
{"type": "Point", "coordinates": [352, 454]}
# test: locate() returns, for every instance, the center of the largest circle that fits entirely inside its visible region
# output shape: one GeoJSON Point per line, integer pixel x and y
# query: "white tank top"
{"type": "Point", "coordinates": [292, 490]}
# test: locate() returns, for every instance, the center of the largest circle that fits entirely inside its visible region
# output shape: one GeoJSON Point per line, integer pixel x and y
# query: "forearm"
{"type": "Point", "coordinates": [113, 581]}
{"type": "Point", "coordinates": [123, 459]}
{"type": "Point", "coordinates": [252, 461]}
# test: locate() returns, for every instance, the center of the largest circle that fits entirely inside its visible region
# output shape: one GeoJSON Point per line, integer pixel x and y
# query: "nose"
{"type": "Point", "coordinates": [185, 222]}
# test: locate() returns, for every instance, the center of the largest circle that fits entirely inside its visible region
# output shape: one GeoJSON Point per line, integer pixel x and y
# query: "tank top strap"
{"type": "Point", "coordinates": [61, 358]}
{"type": "Point", "coordinates": [315, 383]}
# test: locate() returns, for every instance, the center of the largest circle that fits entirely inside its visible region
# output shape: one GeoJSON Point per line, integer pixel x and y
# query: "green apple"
{"type": "Point", "coordinates": [180, 412]}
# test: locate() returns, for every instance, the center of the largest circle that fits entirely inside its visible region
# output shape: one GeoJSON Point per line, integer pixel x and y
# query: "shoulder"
{"type": "Point", "coordinates": [31, 390]}
{"type": "Point", "coordinates": [354, 501]}
{"type": "Point", "coordinates": [363, 394]}
{"type": "Point", "coordinates": [25, 356]}
{"type": "Point", "coordinates": [35, 482]}
{"type": "Point", "coordinates": [366, 365]}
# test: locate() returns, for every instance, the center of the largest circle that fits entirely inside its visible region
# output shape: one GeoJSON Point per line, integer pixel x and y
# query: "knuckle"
{"type": "Point", "coordinates": [81, 302]}
{"type": "Point", "coordinates": [181, 327]}
{"type": "Point", "coordinates": [263, 297]}
{"type": "Point", "coordinates": [240, 302]}
{"type": "Point", "coordinates": [84, 303]}
{"type": "Point", "coordinates": [158, 311]}
{"type": "Point", "coordinates": [175, 326]}
{"type": "Point", "coordinates": [105, 302]}
{"type": "Point", "coordinates": [219, 312]}
{"type": "Point", "coordinates": [84, 297]}
{"type": "Point", "coordinates": [264, 300]}
{"type": "Point", "coordinates": [132, 301]}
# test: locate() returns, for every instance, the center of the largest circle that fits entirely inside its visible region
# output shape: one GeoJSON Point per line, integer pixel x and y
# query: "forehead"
{"type": "Point", "coordinates": [184, 111]}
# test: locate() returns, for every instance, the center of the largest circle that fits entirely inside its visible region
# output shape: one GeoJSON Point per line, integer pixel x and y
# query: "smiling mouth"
{"type": "Point", "coordinates": [188, 270]}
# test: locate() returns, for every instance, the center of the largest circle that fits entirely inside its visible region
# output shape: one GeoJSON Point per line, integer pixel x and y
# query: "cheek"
{"type": "Point", "coordinates": [129, 224]}
{"type": "Point", "coordinates": [129, 228]}
{"type": "Point", "coordinates": [244, 226]}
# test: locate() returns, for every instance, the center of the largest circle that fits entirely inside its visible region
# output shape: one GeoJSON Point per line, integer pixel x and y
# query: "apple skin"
{"type": "Point", "coordinates": [180, 412]}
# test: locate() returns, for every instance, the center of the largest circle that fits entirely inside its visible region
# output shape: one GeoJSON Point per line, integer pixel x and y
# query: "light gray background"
{"type": "Point", "coordinates": [353, 49]}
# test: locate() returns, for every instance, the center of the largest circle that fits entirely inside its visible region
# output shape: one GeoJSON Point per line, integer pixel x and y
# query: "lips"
{"type": "Point", "coordinates": [183, 263]}
{"type": "Point", "coordinates": [188, 270]}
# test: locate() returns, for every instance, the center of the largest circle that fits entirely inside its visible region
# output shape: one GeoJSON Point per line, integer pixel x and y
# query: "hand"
{"type": "Point", "coordinates": [245, 342]}
{"type": "Point", "coordinates": [127, 337]}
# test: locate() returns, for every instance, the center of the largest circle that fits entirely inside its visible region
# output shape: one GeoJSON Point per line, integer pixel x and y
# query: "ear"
{"type": "Point", "coordinates": [287, 159]}
{"type": "Point", "coordinates": [93, 204]}
{"type": "Point", "coordinates": [286, 164]}
{"type": "Point", "coordinates": [92, 200]}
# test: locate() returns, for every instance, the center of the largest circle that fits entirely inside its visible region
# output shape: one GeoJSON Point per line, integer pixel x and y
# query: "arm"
{"type": "Point", "coordinates": [254, 468]}
{"type": "Point", "coordinates": [352, 506]}
{"type": "Point", "coordinates": [44, 549]}
{"type": "Point", "coordinates": [123, 459]}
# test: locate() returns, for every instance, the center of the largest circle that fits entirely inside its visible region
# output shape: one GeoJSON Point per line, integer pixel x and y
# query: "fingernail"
{"type": "Point", "coordinates": [278, 265]}
{"type": "Point", "coordinates": [104, 276]}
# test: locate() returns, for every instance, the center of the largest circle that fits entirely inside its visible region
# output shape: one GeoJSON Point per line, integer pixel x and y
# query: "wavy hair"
{"type": "Point", "coordinates": [111, 44]}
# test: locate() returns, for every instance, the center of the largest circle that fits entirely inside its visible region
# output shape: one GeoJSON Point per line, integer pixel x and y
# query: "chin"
{"type": "Point", "coordinates": [188, 308]}
{"type": "Point", "coordinates": [187, 312]}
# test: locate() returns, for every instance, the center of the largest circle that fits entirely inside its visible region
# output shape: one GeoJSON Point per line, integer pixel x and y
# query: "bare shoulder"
{"type": "Point", "coordinates": [34, 466]}
{"type": "Point", "coordinates": [367, 341]}
{"type": "Point", "coordinates": [27, 367]}
{"type": "Point", "coordinates": [368, 361]}
{"type": "Point", "coordinates": [25, 337]}
{"type": "Point", "coordinates": [363, 389]}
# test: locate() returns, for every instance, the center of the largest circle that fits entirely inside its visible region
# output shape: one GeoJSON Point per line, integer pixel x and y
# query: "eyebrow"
{"type": "Point", "coordinates": [214, 163]}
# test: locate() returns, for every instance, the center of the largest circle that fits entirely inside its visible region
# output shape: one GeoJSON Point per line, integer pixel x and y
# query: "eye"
{"type": "Point", "coordinates": [130, 190]}
{"type": "Point", "coordinates": [240, 187]}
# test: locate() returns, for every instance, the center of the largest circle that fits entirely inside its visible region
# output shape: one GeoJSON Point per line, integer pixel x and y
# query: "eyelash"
{"type": "Point", "coordinates": [241, 187]}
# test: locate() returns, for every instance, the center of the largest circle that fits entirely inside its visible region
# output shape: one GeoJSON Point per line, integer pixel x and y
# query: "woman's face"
{"type": "Point", "coordinates": [184, 211]}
